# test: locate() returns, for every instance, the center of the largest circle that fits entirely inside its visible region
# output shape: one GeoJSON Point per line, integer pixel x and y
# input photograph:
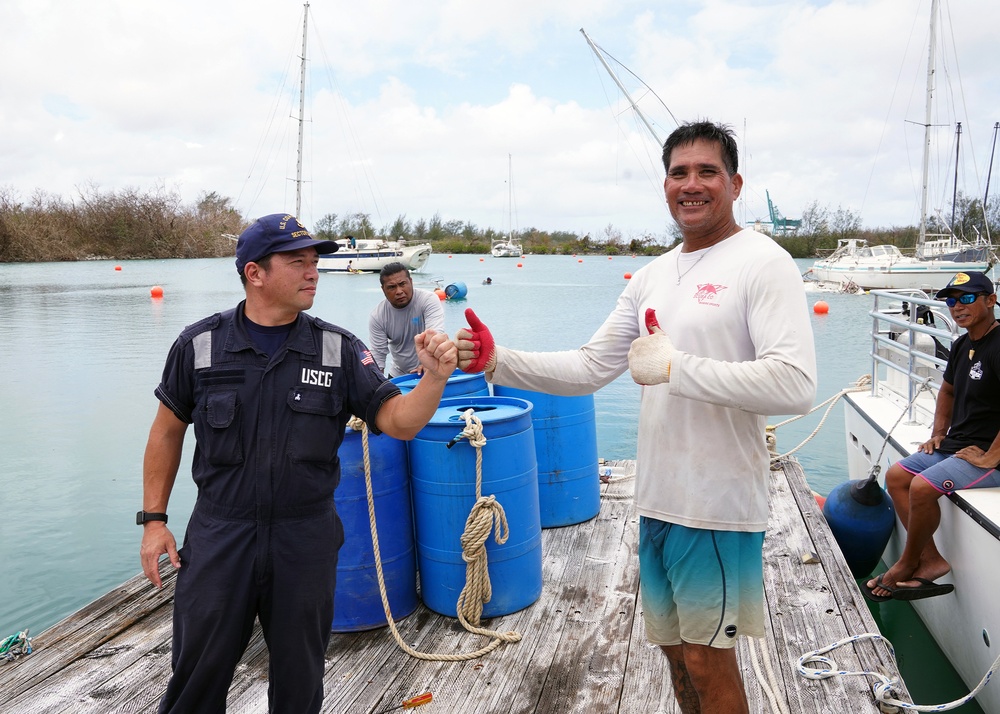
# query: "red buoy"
{"type": "Point", "coordinates": [821, 308]}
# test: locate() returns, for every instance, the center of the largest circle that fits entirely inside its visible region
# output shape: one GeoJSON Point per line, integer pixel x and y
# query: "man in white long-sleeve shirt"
{"type": "Point", "coordinates": [404, 314]}
{"type": "Point", "coordinates": [733, 344]}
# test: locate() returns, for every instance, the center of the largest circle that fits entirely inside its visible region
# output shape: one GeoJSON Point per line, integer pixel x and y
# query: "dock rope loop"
{"type": "Point", "coordinates": [862, 384]}
{"type": "Point", "coordinates": [499, 638]}
{"type": "Point", "coordinates": [882, 690]}
{"type": "Point", "coordinates": [15, 646]}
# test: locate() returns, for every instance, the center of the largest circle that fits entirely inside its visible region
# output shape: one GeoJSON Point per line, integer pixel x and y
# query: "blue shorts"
{"type": "Point", "coordinates": [700, 586]}
{"type": "Point", "coordinates": [948, 473]}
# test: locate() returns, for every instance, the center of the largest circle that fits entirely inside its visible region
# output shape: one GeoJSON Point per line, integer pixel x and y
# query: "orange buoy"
{"type": "Point", "coordinates": [440, 293]}
{"type": "Point", "coordinates": [610, 257]}
{"type": "Point", "coordinates": [821, 308]}
{"type": "Point", "coordinates": [820, 500]}
{"type": "Point", "coordinates": [579, 260]}
{"type": "Point", "coordinates": [156, 291]}
{"type": "Point", "coordinates": [520, 265]}
{"type": "Point", "coordinates": [628, 276]}
{"type": "Point", "coordinates": [481, 260]}
{"type": "Point", "coordinates": [118, 267]}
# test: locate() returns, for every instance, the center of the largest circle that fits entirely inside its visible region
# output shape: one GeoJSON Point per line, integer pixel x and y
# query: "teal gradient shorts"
{"type": "Point", "coordinates": [700, 586]}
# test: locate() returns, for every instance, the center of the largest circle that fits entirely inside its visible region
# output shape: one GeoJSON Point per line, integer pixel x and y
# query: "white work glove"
{"type": "Point", "coordinates": [649, 356]}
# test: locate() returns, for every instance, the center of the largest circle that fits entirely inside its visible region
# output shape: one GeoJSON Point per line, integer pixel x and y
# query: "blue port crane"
{"type": "Point", "coordinates": [779, 224]}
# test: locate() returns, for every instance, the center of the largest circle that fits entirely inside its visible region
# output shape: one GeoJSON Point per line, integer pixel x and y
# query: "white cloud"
{"type": "Point", "coordinates": [414, 107]}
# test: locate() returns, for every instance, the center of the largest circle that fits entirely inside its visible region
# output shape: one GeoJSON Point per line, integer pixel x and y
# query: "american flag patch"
{"type": "Point", "coordinates": [366, 357]}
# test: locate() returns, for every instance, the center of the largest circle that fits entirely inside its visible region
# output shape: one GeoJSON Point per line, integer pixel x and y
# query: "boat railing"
{"type": "Point", "coordinates": [911, 337]}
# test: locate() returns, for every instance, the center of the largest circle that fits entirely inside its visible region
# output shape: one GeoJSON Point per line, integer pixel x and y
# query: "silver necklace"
{"type": "Point", "coordinates": [680, 275]}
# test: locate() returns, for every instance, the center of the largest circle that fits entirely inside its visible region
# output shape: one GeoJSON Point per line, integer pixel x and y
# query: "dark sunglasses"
{"type": "Point", "coordinates": [964, 298]}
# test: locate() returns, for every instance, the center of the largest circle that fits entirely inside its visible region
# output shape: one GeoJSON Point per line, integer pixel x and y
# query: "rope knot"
{"type": "Point", "coordinates": [473, 430]}
{"type": "Point", "coordinates": [356, 423]}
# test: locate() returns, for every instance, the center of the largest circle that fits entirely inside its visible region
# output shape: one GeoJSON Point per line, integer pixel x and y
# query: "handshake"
{"type": "Point", "coordinates": [648, 358]}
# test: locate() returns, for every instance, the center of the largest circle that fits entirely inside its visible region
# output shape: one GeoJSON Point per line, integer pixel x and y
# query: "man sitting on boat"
{"type": "Point", "coordinates": [404, 314]}
{"type": "Point", "coordinates": [963, 450]}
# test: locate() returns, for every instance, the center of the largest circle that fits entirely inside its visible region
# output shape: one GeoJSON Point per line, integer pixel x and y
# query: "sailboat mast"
{"type": "Point", "coordinates": [302, 112]}
{"type": "Point", "coordinates": [927, 126]}
{"type": "Point", "coordinates": [635, 107]}
{"type": "Point", "coordinates": [954, 191]}
{"type": "Point", "coordinates": [510, 198]}
{"type": "Point", "coordinates": [989, 173]}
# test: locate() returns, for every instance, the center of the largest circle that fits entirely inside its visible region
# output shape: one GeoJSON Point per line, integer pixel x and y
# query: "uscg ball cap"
{"type": "Point", "coordinates": [968, 282]}
{"type": "Point", "coordinates": [276, 233]}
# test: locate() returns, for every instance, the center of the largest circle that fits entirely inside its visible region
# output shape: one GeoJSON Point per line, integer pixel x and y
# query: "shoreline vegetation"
{"type": "Point", "coordinates": [133, 223]}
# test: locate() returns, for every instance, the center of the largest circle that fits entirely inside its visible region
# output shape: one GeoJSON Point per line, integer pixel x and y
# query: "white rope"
{"type": "Point", "coordinates": [862, 384]}
{"type": "Point", "coordinates": [769, 683]}
{"type": "Point", "coordinates": [882, 690]}
{"type": "Point", "coordinates": [605, 474]}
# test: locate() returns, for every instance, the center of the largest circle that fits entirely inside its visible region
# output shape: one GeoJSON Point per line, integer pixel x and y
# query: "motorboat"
{"type": "Point", "coordinates": [371, 255]}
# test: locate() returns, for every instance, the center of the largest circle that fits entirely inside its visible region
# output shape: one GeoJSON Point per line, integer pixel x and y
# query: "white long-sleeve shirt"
{"type": "Point", "coordinates": [740, 323]}
{"type": "Point", "coordinates": [392, 329]}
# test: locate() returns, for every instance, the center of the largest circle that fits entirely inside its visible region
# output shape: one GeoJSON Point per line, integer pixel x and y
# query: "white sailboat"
{"type": "Point", "coordinates": [508, 246]}
{"type": "Point", "coordinates": [937, 257]}
{"type": "Point", "coordinates": [365, 255]}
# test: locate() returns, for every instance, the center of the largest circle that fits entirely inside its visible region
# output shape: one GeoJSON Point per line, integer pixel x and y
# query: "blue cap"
{"type": "Point", "coordinates": [276, 233]}
{"type": "Point", "coordinates": [968, 282]}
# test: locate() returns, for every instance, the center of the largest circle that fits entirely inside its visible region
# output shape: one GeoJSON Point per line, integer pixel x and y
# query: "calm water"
{"type": "Point", "coordinates": [83, 346]}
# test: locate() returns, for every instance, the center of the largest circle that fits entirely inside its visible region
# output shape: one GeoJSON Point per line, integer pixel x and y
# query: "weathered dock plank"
{"type": "Point", "coordinates": [583, 646]}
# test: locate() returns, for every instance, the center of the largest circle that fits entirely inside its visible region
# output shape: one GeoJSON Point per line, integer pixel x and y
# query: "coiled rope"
{"type": "Point", "coordinates": [606, 476]}
{"type": "Point", "coordinates": [882, 690]}
{"type": "Point", "coordinates": [862, 384]}
{"type": "Point", "coordinates": [15, 646]}
{"type": "Point", "coordinates": [470, 600]}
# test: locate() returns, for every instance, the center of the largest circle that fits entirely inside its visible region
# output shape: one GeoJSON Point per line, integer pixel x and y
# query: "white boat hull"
{"type": "Point", "coordinates": [369, 256]}
{"type": "Point", "coordinates": [506, 249]}
{"type": "Point", "coordinates": [966, 623]}
{"type": "Point", "coordinates": [920, 275]}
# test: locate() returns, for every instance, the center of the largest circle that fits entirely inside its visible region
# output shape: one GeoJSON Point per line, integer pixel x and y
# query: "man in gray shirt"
{"type": "Point", "coordinates": [395, 321]}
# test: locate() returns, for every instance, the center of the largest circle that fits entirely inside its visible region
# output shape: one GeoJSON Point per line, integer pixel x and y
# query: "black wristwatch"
{"type": "Point", "coordinates": [144, 517]}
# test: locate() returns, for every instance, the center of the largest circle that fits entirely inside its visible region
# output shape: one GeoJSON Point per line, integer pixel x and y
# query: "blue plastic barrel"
{"type": "Point", "coordinates": [456, 291]}
{"type": "Point", "coordinates": [443, 484]}
{"type": "Point", "coordinates": [569, 486]}
{"type": "Point", "coordinates": [459, 384]}
{"type": "Point", "coordinates": [357, 604]}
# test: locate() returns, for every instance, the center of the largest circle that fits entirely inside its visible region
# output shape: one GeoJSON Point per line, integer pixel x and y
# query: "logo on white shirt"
{"type": "Point", "coordinates": [708, 294]}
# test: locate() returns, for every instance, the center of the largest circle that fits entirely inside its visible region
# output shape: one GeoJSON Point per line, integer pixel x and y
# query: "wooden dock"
{"type": "Point", "coordinates": [583, 648]}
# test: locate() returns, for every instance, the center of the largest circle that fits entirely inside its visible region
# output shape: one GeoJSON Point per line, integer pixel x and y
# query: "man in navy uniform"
{"type": "Point", "coordinates": [269, 390]}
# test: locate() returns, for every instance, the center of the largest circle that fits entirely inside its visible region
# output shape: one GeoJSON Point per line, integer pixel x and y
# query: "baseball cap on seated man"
{"type": "Point", "coordinates": [968, 282]}
{"type": "Point", "coordinates": [276, 233]}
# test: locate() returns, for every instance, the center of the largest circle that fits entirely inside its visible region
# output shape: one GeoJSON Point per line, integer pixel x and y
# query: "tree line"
{"type": "Point", "coordinates": [155, 223]}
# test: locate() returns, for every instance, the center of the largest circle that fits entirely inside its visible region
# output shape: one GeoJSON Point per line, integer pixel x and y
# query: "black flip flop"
{"type": "Point", "coordinates": [927, 588]}
{"type": "Point", "coordinates": [868, 591]}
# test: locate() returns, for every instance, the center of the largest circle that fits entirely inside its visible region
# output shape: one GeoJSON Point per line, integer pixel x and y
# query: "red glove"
{"type": "Point", "coordinates": [482, 340]}
{"type": "Point", "coordinates": [651, 320]}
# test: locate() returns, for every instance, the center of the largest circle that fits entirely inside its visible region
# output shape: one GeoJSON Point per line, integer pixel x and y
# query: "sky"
{"type": "Point", "coordinates": [495, 114]}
